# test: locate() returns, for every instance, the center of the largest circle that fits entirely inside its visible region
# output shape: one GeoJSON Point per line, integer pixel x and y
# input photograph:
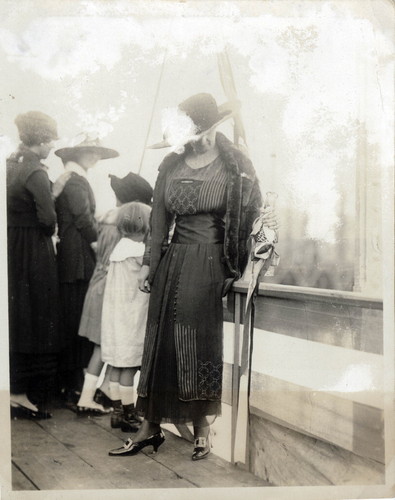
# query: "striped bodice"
{"type": "Point", "coordinates": [191, 191]}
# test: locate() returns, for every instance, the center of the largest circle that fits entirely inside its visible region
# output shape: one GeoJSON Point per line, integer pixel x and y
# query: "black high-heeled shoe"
{"type": "Point", "coordinates": [22, 412]}
{"type": "Point", "coordinates": [202, 448]}
{"type": "Point", "coordinates": [132, 448]}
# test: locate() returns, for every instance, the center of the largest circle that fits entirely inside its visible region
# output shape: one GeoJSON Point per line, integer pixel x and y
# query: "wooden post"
{"type": "Point", "coordinates": [236, 372]}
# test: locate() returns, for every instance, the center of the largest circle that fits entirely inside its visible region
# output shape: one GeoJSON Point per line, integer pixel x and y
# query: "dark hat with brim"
{"type": "Point", "coordinates": [202, 109]}
{"type": "Point", "coordinates": [130, 188]}
{"type": "Point", "coordinates": [87, 145]}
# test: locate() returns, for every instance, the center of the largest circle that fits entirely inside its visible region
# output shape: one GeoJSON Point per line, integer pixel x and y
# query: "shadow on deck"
{"type": "Point", "coordinates": [70, 452]}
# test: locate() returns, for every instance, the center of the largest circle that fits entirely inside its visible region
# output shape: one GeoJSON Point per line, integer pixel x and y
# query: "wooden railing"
{"type": "Point", "coordinates": [315, 294]}
{"type": "Point", "coordinates": [336, 340]}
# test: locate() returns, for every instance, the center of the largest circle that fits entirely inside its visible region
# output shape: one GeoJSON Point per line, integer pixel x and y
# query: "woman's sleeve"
{"type": "Point", "coordinates": [80, 209]}
{"type": "Point", "coordinates": [147, 252]}
{"type": "Point", "coordinates": [39, 186]}
{"type": "Point", "coordinates": [158, 224]}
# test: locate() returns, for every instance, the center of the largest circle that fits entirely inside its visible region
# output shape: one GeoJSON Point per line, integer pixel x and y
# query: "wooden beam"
{"type": "Point", "coordinates": [347, 325]}
{"type": "Point", "coordinates": [353, 426]}
{"type": "Point", "coordinates": [287, 458]}
{"type": "Point", "coordinates": [342, 325]}
{"type": "Point", "coordinates": [236, 373]}
{"type": "Point", "coordinates": [311, 294]}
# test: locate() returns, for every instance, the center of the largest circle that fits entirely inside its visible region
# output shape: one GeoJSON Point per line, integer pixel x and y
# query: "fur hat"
{"type": "Point", "coordinates": [36, 128]}
{"type": "Point", "coordinates": [130, 188]}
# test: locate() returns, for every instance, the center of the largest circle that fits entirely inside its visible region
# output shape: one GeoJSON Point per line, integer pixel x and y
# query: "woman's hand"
{"type": "Point", "coordinates": [269, 218]}
{"type": "Point", "coordinates": [94, 246]}
{"type": "Point", "coordinates": [144, 286]}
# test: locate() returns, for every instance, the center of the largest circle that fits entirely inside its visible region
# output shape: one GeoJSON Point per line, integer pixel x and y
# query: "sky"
{"type": "Point", "coordinates": [310, 77]}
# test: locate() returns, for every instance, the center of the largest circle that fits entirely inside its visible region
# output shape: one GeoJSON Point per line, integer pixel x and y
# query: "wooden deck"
{"type": "Point", "coordinates": [69, 452]}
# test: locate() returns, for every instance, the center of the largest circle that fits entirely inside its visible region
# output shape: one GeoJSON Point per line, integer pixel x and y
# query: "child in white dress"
{"type": "Point", "coordinates": [124, 314]}
{"type": "Point", "coordinates": [130, 188]}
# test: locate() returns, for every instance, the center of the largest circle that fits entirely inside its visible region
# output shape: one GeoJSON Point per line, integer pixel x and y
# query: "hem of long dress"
{"type": "Point", "coordinates": [167, 420]}
{"type": "Point", "coordinates": [178, 420]}
{"type": "Point", "coordinates": [200, 399]}
{"type": "Point", "coordinates": [187, 415]}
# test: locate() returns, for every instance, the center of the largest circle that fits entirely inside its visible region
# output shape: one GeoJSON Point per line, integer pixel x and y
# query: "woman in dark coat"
{"type": "Point", "coordinates": [212, 193]}
{"type": "Point", "coordinates": [32, 274]}
{"type": "Point", "coordinates": [78, 231]}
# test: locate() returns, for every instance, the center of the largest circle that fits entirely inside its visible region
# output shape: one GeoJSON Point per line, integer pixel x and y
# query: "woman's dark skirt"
{"type": "Point", "coordinates": [33, 299]}
{"type": "Point", "coordinates": [184, 335]}
{"type": "Point", "coordinates": [34, 375]}
{"type": "Point", "coordinates": [77, 350]}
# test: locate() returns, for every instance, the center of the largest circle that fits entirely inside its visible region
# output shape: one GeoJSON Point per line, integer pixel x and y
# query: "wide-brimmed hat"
{"type": "Point", "coordinates": [84, 143]}
{"type": "Point", "coordinates": [130, 188]}
{"type": "Point", "coordinates": [196, 115]}
{"type": "Point", "coordinates": [35, 127]}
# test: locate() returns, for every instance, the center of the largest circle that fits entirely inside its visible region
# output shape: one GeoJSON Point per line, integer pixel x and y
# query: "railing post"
{"type": "Point", "coordinates": [235, 372]}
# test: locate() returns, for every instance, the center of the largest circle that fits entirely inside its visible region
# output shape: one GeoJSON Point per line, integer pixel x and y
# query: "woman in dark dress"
{"type": "Point", "coordinates": [78, 232]}
{"type": "Point", "coordinates": [212, 193]}
{"type": "Point", "coordinates": [32, 273]}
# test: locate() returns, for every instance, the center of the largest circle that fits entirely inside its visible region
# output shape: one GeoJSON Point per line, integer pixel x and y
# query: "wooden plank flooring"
{"type": "Point", "coordinates": [69, 452]}
{"type": "Point", "coordinates": [20, 481]}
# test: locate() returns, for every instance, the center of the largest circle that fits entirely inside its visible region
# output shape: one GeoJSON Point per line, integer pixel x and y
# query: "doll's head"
{"type": "Point", "coordinates": [133, 220]}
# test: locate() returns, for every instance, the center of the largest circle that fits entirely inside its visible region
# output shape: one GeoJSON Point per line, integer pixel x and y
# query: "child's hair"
{"type": "Point", "coordinates": [133, 218]}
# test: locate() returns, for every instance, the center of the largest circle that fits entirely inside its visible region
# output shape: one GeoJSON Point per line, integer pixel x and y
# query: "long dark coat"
{"type": "Point", "coordinates": [75, 208]}
{"type": "Point", "coordinates": [32, 274]}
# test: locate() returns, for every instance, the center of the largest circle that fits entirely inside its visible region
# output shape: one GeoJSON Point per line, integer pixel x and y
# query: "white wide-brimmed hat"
{"type": "Point", "coordinates": [83, 142]}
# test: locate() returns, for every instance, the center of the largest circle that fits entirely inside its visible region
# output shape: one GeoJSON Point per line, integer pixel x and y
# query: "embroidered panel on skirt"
{"type": "Point", "coordinates": [185, 342]}
{"type": "Point", "coordinates": [210, 380]}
